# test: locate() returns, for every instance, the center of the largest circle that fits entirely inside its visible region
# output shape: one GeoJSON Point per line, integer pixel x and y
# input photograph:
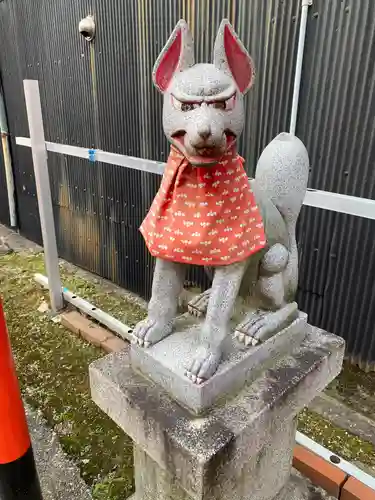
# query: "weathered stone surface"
{"type": "Point", "coordinates": [298, 488]}
{"type": "Point", "coordinates": [250, 480]}
{"type": "Point", "coordinates": [165, 362]}
{"type": "Point", "coordinates": [241, 448]}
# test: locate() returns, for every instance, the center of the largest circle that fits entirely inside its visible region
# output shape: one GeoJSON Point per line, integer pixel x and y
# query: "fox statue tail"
{"type": "Point", "coordinates": [281, 176]}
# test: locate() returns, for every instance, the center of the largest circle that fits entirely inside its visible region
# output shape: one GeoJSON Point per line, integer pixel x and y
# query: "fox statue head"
{"type": "Point", "coordinates": [203, 112]}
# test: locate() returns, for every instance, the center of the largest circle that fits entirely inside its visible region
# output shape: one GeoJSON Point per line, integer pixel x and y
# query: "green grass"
{"type": "Point", "coordinates": [53, 366]}
{"type": "Point", "coordinates": [356, 389]}
{"type": "Point", "coordinates": [53, 363]}
{"type": "Point", "coordinates": [339, 441]}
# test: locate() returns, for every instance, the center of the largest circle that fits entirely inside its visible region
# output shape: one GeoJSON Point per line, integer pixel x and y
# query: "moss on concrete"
{"type": "Point", "coordinates": [355, 388]}
{"type": "Point", "coordinates": [339, 441]}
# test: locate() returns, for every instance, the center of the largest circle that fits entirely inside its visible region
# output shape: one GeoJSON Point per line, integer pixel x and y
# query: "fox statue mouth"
{"type": "Point", "coordinates": [206, 154]}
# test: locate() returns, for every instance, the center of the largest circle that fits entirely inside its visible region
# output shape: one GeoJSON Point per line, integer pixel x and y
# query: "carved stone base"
{"type": "Point", "coordinates": [241, 449]}
{"type": "Point", "coordinates": [165, 362]}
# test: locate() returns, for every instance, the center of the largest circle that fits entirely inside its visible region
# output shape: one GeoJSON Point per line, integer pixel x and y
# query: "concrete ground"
{"type": "Point", "coordinates": [59, 477]}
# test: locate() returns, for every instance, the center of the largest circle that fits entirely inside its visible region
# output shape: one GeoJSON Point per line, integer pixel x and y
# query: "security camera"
{"type": "Point", "coordinates": [87, 28]}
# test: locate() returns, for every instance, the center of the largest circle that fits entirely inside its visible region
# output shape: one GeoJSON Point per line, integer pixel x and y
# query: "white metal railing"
{"type": "Point", "coordinates": [360, 207]}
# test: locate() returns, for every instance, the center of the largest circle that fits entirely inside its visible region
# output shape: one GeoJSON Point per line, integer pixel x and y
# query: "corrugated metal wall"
{"type": "Point", "coordinates": [102, 96]}
{"type": "Point", "coordinates": [336, 122]}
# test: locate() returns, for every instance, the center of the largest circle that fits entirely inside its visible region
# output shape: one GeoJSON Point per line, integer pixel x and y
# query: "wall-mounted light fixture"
{"type": "Point", "coordinates": [87, 28]}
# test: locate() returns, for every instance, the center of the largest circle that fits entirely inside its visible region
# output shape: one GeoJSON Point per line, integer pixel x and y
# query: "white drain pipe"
{"type": "Point", "coordinates": [7, 161]}
{"type": "Point", "coordinates": [297, 79]}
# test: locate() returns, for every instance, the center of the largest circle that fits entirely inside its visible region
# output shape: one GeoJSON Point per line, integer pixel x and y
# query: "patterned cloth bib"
{"type": "Point", "coordinates": [204, 215]}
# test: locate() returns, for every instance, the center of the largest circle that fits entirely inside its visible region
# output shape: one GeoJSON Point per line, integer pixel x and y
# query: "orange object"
{"type": "Point", "coordinates": [204, 215]}
{"type": "Point", "coordinates": [355, 490]}
{"type": "Point", "coordinates": [320, 472]}
{"type": "Point", "coordinates": [14, 434]}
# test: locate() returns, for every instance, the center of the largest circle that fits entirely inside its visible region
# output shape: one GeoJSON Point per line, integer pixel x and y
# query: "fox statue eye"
{"type": "Point", "coordinates": [187, 106]}
{"type": "Point", "coordinates": [227, 105]}
{"type": "Point", "coordinates": [220, 105]}
{"type": "Point", "coordinates": [184, 106]}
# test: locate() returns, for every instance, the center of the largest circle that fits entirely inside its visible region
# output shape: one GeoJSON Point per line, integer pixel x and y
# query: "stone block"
{"type": "Point", "coordinates": [94, 334]}
{"type": "Point", "coordinates": [165, 362]}
{"type": "Point", "coordinates": [298, 488]}
{"type": "Point", "coordinates": [242, 448]}
{"type": "Point", "coordinates": [114, 344]}
{"type": "Point", "coordinates": [74, 321]}
{"type": "Point", "coordinates": [355, 490]}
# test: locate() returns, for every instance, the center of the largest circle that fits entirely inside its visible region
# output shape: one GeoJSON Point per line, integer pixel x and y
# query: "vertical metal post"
{"type": "Point", "coordinates": [297, 79]}
{"type": "Point", "coordinates": [39, 153]}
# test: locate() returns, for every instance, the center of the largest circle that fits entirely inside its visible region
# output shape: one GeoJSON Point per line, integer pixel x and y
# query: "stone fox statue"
{"type": "Point", "coordinates": [208, 213]}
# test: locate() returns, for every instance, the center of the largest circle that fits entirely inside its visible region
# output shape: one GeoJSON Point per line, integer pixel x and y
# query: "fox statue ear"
{"type": "Point", "coordinates": [177, 55]}
{"type": "Point", "coordinates": [231, 57]}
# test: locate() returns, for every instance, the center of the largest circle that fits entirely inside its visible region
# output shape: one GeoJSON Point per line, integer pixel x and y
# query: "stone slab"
{"type": "Point", "coordinates": [224, 441]}
{"type": "Point", "coordinates": [299, 488]}
{"type": "Point", "coordinates": [165, 362]}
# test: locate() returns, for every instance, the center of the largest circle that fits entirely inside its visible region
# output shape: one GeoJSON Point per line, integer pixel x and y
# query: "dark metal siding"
{"type": "Point", "coordinates": [336, 122]}
{"type": "Point", "coordinates": [102, 96]}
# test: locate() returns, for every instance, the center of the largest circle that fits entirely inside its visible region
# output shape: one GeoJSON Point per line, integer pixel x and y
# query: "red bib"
{"type": "Point", "coordinates": [204, 215]}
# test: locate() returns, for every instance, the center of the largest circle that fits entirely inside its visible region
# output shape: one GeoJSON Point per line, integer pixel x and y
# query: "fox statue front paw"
{"type": "Point", "coordinates": [204, 364]}
{"type": "Point", "coordinates": [149, 331]}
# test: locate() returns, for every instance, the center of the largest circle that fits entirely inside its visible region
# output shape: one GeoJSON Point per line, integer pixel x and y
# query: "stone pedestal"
{"type": "Point", "coordinates": [242, 447]}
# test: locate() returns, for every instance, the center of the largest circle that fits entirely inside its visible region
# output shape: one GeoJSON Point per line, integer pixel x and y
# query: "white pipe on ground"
{"type": "Point", "coordinates": [297, 78]}
{"type": "Point", "coordinates": [113, 324]}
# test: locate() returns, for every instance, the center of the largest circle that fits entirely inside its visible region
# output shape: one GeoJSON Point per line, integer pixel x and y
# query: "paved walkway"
{"type": "Point", "coordinates": [59, 477]}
